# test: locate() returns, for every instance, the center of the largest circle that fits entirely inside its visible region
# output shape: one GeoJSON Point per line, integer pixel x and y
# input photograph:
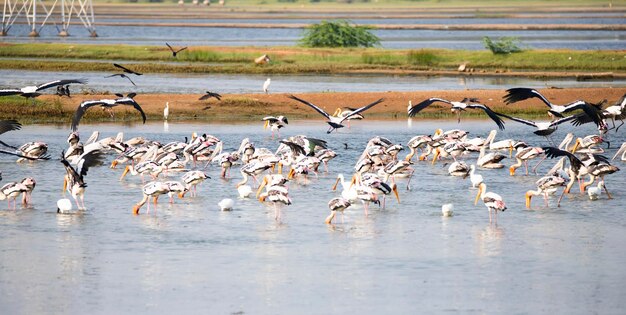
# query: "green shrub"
{"type": "Point", "coordinates": [504, 45]}
{"type": "Point", "coordinates": [339, 33]}
{"type": "Point", "coordinates": [422, 57]}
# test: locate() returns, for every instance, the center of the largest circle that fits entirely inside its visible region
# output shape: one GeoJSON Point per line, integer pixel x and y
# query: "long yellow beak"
{"type": "Point", "coordinates": [125, 171]}
{"type": "Point", "coordinates": [480, 191]}
{"type": "Point", "coordinates": [64, 184]}
{"type": "Point", "coordinates": [395, 192]}
{"type": "Point", "coordinates": [114, 164]}
{"type": "Point", "coordinates": [330, 218]}
{"type": "Point", "coordinates": [136, 210]}
{"type": "Point", "coordinates": [528, 198]}
{"type": "Point", "coordinates": [512, 171]}
{"type": "Point", "coordinates": [436, 155]}
{"type": "Point", "coordinates": [181, 195]}
{"type": "Point", "coordinates": [267, 122]}
{"type": "Point", "coordinates": [353, 180]}
{"type": "Point", "coordinates": [263, 183]}
{"type": "Point", "coordinates": [291, 172]}
{"type": "Point", "coordinates": [336, 183]}
{"type": "Point", "coordinates": [576, 146]}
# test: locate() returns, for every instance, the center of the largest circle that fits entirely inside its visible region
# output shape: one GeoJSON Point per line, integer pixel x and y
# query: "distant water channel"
{"type": "Point", "coordinates": [249, 83]}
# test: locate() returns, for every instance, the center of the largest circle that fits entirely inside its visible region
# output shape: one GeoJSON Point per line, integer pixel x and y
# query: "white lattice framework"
{"type": "Point", "coordinates": [38, 15]}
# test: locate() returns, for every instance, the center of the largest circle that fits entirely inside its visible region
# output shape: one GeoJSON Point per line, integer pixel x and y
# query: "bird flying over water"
{"type": "Point", "coordinates": [519, 94]}
{"type": "Point", "coordinates": [33, 90]}
{"type": "Point", "coordinates": [335, 122]}
{"type": "Point", "coordinates": [121, 75]}
{"type": "Point", "coordinates": [457, 107]}
{"type": "Point", "coordinates": [106, 103]}
{"type": "Point", "coordinates": [126, 70]}
{"type": "Point", "coordinates": [174, 52]}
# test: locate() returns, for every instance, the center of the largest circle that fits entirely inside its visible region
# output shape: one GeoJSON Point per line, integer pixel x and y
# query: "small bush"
{"type": "Point", "coordinates": [382, 59]}
{"type": "Point", "coordinates": [504, 45]}
{"type": "Point", "coordinates": [422, 57]}
{"type": "Point", "coordinates": [339, 33]}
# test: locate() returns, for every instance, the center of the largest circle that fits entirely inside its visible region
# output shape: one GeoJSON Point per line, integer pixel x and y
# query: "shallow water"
{"type": "Point", "coordinates": [189, 257]}
{"type": "Point", "coordinates": [182, 83]}
{"type": "Point", "coordinates": [393, 39]}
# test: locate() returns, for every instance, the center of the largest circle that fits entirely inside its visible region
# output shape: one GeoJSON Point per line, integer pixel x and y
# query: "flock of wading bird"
{"type": "Point", "coordinates": [375, 171]}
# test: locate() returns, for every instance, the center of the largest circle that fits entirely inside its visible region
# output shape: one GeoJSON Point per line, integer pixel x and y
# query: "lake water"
{"type": "Point", "coordinates": [183, 83]}
{"type": "Point", "coordinates": [191, 258]}
{"type": "Point", "coordinates": [393, 39]}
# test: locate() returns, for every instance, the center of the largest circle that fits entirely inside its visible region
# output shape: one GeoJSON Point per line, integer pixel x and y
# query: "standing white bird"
{"type": "Point", "coordinates": [166, 111]}
{"type": "Point", "coordinates": [476, 179]}
{"type": "Point", "coordinates": [266, 86]}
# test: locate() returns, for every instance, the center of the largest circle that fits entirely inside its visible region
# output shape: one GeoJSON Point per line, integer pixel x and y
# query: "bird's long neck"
{"type": "Point", "coordinates": [492, 135]}
{"type": "Point", "coordinates": [329, 218]}
{"type": "Point", "coordinates": [143, 200]}
{"type": "Point", "coordinates": [244, 180]}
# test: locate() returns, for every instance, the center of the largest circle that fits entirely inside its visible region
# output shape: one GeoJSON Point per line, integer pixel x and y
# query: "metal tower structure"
{"type": "Point", "coordinates": [37, 15]}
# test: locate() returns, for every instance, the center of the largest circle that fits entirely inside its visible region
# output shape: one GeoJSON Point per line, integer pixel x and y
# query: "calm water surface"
{"type": "Point", "coordinates": [182, 83]}
{"type": "Point", "coordinates": [191, 258]}
{"type": "Point", "coordinates": [393, 39]}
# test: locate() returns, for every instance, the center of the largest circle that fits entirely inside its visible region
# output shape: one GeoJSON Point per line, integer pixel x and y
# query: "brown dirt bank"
{"type": "Point", "coordinates": [255, 106]}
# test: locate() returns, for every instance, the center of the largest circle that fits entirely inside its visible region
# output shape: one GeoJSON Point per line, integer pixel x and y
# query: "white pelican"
{"type": "Point", "coordinates": [476, 179]}
{"type": "Point", "coordinates": [275, 123]}
{"type": "Point", "coordinates": [166, 111]}
{"type": "Point", "coordinates": [151, 189]}
{"type": "Point", "coordinates": [519, 94]}
{"type": "Point", "coordinates": [74, 181]}
{"type": "Point", "coordinates": [447, 210]}
{"type": "Point", "coordinates": [544, 185]}
{"type": "Point", "coordinates": [492, 201]}
{"type": "Point", "coordinates": [226, 204]}
{"type": "Point", "coordinates": [335, 122]}
{"type": "Point", "coordinates": [457, 107]}
{"type": "Point", "coordinates": [192, 179]}
{"type": "Point", "coordinates": [32, 91]}
{"type": "Point", "coordinates": [336, 204]}
{"type": "Point", "coordinates": [266, 86]}
{"type": "Point", "coordinates": [64, 206]}
{"type": "Point", "coordinates": [348, 191]}
{"type": "Point", "coordinates": [522, 156]}
{"type": "Point", "coordinates": [108, 104]}
{"type": "Point", "coordinates": [174, 51]}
